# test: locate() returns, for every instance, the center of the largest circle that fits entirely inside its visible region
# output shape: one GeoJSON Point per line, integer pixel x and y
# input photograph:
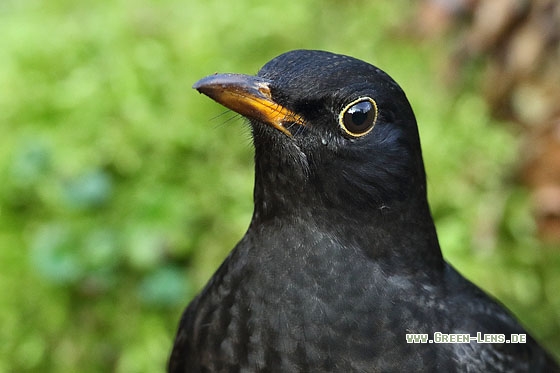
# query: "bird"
{"type": "Point", "coordinates": [341, 259]}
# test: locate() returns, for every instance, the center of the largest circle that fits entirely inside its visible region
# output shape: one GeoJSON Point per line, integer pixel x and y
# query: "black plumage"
{"type": "Point", "coordinates": [341, 259]}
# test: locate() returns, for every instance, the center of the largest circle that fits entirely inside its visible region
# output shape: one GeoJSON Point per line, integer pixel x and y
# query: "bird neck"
{"type": "Point", "coordinates": [399, 235]}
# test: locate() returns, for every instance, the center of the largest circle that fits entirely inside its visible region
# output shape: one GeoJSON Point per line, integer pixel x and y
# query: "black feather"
{"type": "Point", "coordinates": [341, 259]}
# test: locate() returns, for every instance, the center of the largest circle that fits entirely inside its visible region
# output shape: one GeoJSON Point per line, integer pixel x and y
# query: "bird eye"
{"type": "Point", "coordinates": [358, 117]}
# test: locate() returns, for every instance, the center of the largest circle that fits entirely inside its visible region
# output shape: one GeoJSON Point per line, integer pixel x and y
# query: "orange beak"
{"type": "Point", "coordinates": [249, 96]}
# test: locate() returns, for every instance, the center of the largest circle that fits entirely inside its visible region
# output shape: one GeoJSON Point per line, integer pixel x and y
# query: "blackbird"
{"type": "Point", "coordinates": [341, 260]}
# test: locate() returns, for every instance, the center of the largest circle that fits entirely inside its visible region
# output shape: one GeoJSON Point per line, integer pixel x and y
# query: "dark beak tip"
{"type": "Point", "coordinates": [199, 83]}
{"type": "Point", "coordinates": [205, 82]}
{"type": "Point", "coordinates": [239, 81]}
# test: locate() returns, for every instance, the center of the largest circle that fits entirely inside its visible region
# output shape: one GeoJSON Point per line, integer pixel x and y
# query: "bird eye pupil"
{"type": "Point", "coordinates": [358, 118]}
{"type": "Point", "coordinates": [359, 113]}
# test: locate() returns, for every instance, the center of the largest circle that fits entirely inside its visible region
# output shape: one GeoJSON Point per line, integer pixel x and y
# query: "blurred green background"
{"type": "Point", "coordinates": [123, 189]}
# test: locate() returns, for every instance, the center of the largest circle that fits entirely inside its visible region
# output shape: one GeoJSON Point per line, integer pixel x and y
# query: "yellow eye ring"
{"type": "Point", "coordinates": [358, 118]}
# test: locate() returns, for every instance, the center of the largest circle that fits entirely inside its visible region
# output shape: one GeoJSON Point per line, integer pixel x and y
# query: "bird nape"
{"type": "Point", "coordinates": [340, 266]}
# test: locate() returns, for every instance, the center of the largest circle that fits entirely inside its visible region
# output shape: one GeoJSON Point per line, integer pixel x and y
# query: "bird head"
{"type": "Point", "coordinates": [330, 132]}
